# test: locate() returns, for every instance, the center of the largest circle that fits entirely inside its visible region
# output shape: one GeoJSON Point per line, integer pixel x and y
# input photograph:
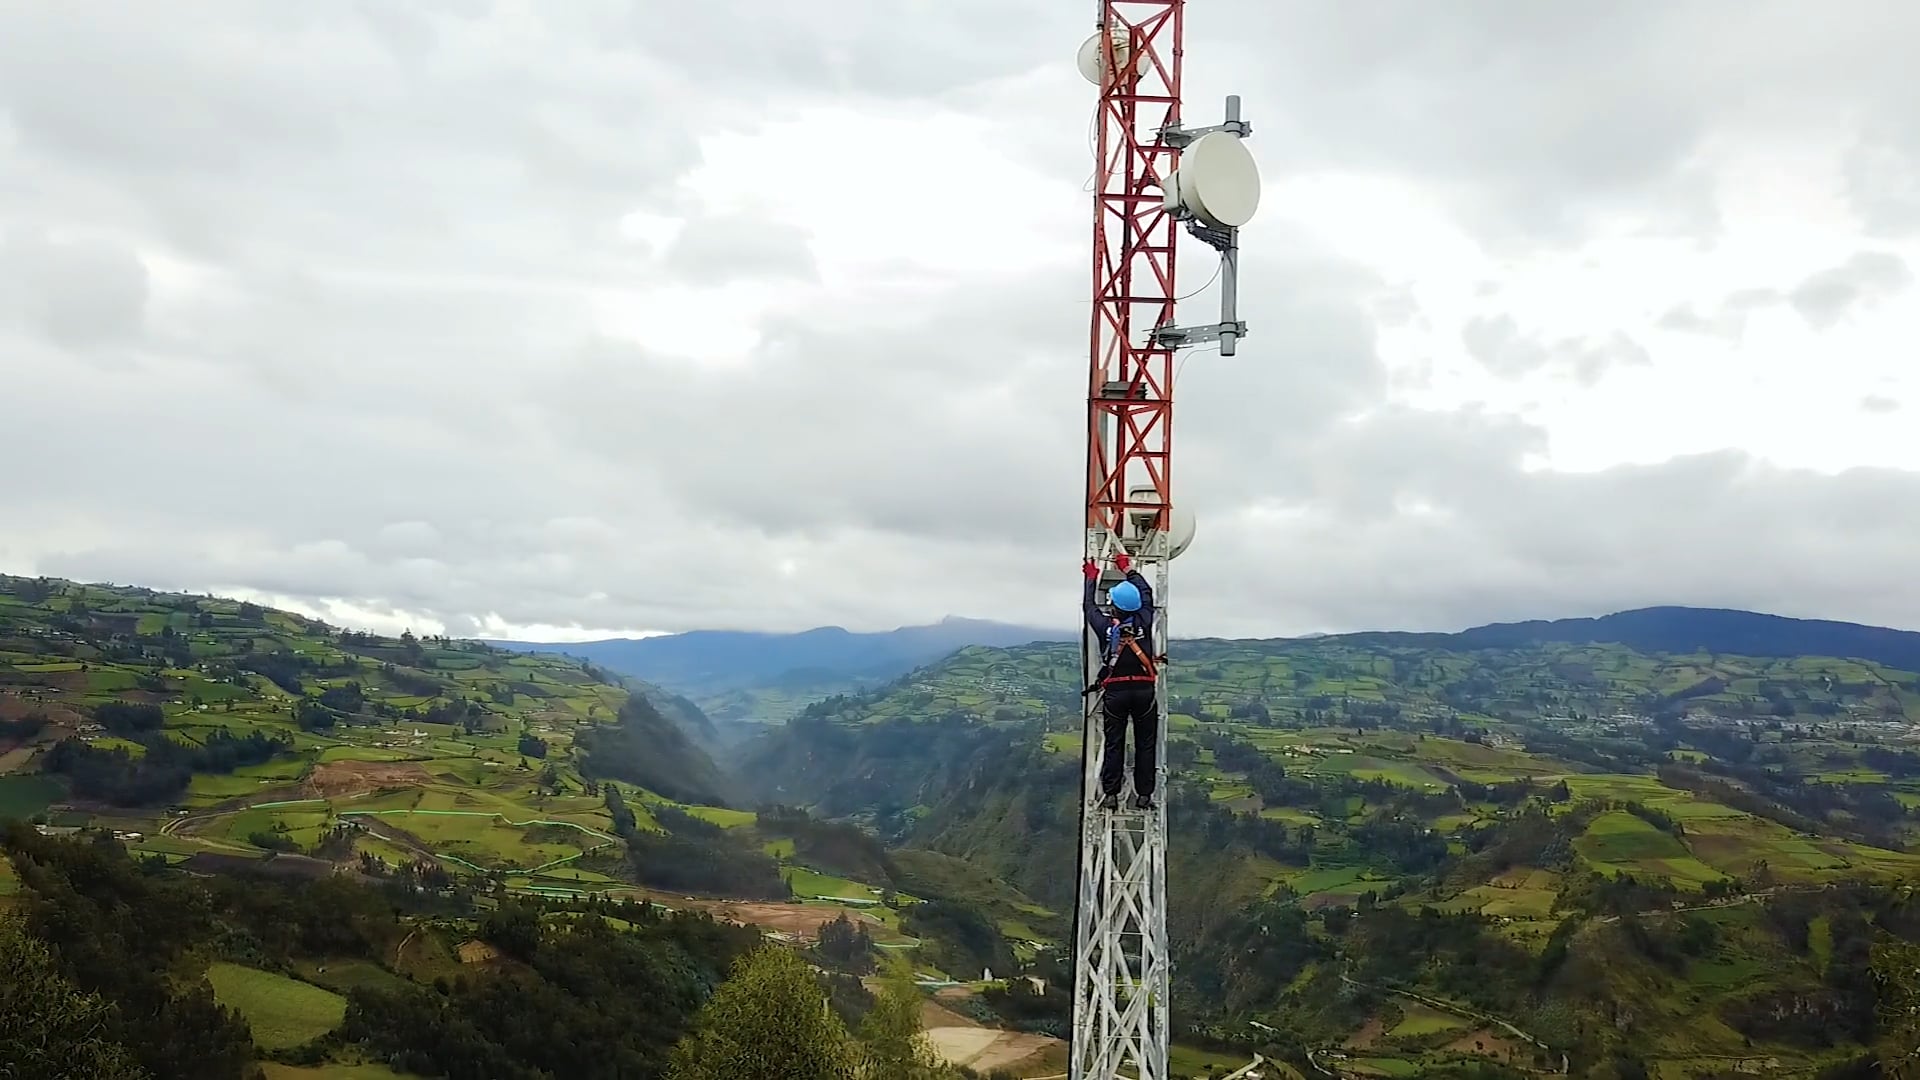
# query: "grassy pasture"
{"type": "Point", "coordinates": [1617, 842]}
{"type": "Point", "coordinates": [341, 976]}
{"type": "Point", "coordinates": [23, 796]}
{"type": "Point", "coordinates": [1418, 1020]}
{"type": "Point", "coordinates": [810, 883]}
{"type": "Point", "coordinates": [1186, 1061]}
{"type": "Point", "coordinates": [283, 1012]}
{"type": "Point", "coordinates": [1516, 894]}
{"type": "Point", "coordinates": [332, 1071]}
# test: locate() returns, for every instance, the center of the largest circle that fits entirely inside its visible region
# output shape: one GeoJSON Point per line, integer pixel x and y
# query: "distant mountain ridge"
{"type": "Point", "coordinates": [1683, 630]}
{"type": "Point", "coordinates": [750, 675]}
{"type": "Point", "coordinates": [706, 662]}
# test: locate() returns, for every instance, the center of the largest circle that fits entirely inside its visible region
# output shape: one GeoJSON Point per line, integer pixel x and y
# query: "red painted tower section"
{"type": "Point", "coordinates": [1130, 388]}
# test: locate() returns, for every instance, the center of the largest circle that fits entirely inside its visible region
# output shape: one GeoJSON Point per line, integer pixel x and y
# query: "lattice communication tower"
{"type": "Point", "coordinates": [1152, 176]}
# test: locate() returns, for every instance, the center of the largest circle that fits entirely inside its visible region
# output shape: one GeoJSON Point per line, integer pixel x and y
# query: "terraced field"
{"type": "Point", "coordinates": [1210, 679]}
{"type": "Point", "coordinates": [400, 750]}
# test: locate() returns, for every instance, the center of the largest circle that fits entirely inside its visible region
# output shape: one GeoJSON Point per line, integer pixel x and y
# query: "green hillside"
{"type": "Point", "coordinates": [216, 729]}
{"type": "Point", "coordinates": [117, 971]}
{"type": "Point", "coordinates": [219, 737]}
{"type": "Point", "coordinates": [1393, 857]}
{"type": "Point", "coordinates": [1404, 860]}
{"type": "Point", "coordinates": [1340, 679]}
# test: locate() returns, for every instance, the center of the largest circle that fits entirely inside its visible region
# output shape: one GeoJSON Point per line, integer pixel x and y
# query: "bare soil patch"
{"type": "Point", "coordinates": [1368, 1034]}
{"type": "Point", "coordinates": [987, 1049]}
{"type": "Point", "coordinates": [14, 706]}
{"type": "Point", "coordinates": [207, 862]}
{"type": "Point", "coordinates": [800, 920]}
{"type": "Point", "coordinates": [334, 779]}
{"type": "Point", "coordinates": [1492, 1044]}
{"type": "Point", "coordinates": [1050, 1063]}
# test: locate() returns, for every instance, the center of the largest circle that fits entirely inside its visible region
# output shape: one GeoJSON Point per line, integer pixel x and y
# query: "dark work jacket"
{"type": "Point", "coordinates": [1121, 661]}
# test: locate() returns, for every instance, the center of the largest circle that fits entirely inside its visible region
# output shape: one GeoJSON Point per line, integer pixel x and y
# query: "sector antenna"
{"type": "Point", "coordinates": [1154, 176]}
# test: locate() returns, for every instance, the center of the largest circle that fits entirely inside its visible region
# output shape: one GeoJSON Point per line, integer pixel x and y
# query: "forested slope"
{"type": "Point", "coordinates": [1682, 864]}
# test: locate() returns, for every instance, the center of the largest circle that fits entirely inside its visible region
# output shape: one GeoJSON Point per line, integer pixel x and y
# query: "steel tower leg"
{"type": "Point", "coordinates": [1122, 975]}
{"type": "Point", "coordinates": [1121, 970]}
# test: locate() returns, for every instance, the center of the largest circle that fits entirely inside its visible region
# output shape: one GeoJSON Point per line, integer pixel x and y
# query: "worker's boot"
{"type": "Point", "coordinates": [1111, 802]}
{"type": "Point", "coordinates": [1143, 802]}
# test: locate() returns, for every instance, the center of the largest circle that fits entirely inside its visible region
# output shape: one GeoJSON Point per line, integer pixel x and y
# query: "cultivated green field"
{"type": "Point", "coordinates": [23, 796]}
{"type": "Point", "coordinates": [1211, 678]}
{"type": "Point", "coordinates": [1536, 791]}
{"type": "Point", "coordinates": [400, 750]}
{"type": "Point", "coordinates": [282, 1012]}
{"type": "Point", "coordinates": [276, 1071]}
{"type": "Point", "coordinates": [365, 752]}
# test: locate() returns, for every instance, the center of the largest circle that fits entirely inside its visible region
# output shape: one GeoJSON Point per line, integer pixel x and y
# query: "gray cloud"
{"type": "Point", "coordinates": [1823, 298]}
{"type": "Point", "coordinates": [392, 140]}
{"type": "Point", "coordinates": [1494, 541]}
{"type": "Point", "coordinates": [1687, 319]}
{"type": "Point", "coordinates": [1828, 296]}
{"type": "Point", "coordinates": [919, 50]}
{"type": "Point", "coordinates": [716, 250]}
{"type": "Point", "coordinates": [1534, 120]}
{"type": "Point", "coordinates": [86, 295]}
{"type": "Point", "coordinates": [1883, 181]}
{"type": "Point", "coordinates": [362, 261]}
{"type": "Point", "coordinates": [1729, 320]}
{"type": "Point", "coordinates": [1500, 347]}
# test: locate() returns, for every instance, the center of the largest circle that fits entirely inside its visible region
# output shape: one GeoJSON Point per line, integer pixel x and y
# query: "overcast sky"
{"type": "Point", "coordinates": [636, 316]}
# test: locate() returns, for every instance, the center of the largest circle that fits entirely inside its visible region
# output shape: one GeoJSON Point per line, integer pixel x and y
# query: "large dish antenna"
{"type": "Point", "coordinates": [1215, 190]}
{"type": "Point", "coordinates": [1217, 181]}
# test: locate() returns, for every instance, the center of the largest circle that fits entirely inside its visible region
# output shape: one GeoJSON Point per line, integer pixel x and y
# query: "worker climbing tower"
{"type": "Point", "coordinates": [1152, 175]}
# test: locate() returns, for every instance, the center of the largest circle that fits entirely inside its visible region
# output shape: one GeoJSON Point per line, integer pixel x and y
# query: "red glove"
{"type": "Point", "coordinates": [1090, 570]}
{"type": "Point", "coordinates": [1121, 562]}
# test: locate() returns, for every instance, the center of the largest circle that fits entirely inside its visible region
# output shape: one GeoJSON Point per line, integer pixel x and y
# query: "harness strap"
{"type": "Point", "coordinates": [1152, 674]}
{"type": "Point", "coordinates": [1145, 660]}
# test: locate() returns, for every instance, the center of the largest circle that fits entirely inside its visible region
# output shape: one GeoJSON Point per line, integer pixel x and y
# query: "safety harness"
{"type": "Point", "coordinates": [1118, 636]}
{"type": "Point", "coordinates": [1146, 662]}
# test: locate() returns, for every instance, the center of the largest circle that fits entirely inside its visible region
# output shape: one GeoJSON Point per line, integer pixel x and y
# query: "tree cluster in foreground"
{"type": "Point", "coordinates": [102, 964]}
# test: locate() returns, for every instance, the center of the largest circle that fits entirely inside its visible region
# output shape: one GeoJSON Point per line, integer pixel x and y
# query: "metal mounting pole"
{"type": "Point", "coordinates": [1229, 330]}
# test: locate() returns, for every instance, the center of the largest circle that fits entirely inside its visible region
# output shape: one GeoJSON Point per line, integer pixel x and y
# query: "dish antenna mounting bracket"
{"type": "Point", "coordinates": [1215, 190]}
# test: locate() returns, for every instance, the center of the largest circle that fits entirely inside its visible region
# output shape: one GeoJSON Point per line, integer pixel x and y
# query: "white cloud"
{"type": "Point", "coordinates": [517, 320]}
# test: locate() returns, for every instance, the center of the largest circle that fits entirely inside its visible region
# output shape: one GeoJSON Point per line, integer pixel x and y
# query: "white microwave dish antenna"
{"type": "Point", "coordinates": [1217, 181]}
{"type": "Point", "coordinates": [1092, 60]}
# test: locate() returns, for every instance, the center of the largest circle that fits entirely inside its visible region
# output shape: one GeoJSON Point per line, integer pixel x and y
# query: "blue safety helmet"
{"type": "Point", "coordinates": [1125, 596]}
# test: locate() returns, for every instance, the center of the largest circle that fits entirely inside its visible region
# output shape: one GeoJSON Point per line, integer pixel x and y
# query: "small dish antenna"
{"type": "Point", "coordinates": [1092, 60]}
{"type": "Point", "coordinates": [1139, 525]}
{"type": "Point", "coordinates": [1217, 181]}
